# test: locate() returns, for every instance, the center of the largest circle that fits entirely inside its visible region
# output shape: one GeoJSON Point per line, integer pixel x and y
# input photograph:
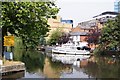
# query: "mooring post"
{"type": "Point", "coordinates": [12, 53]}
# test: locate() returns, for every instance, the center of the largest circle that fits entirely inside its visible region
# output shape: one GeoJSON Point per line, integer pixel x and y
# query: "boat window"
{"type": "Point", "coordinates": [73, 42]}
{"type": "Point", "coordinates": [86, 48]}
{"type": "Point", "coordinates": [78, 48]}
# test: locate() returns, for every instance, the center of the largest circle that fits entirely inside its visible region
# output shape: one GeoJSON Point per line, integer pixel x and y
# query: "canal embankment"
{"type": "Point", "coordinates": [12, 66]}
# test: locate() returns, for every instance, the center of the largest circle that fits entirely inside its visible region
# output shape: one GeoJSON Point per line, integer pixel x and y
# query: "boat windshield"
{"type": "Point", "coordinates": [84, 48]}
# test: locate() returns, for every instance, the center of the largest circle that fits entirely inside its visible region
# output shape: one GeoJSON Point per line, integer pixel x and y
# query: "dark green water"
{"type": "Point", "coordinates": [40, 66]}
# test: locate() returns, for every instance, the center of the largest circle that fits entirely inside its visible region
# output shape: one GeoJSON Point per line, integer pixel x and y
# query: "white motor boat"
{"type": "Point", "coordinates": [69, 53]}
{"type": "Point", "coordinates": [68, 59]}
{"type": "Point", "coordinates": [71, 49]}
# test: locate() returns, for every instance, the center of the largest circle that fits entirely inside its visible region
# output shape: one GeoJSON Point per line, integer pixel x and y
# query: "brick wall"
{"type": "Point", "coordinates": [83, 38]}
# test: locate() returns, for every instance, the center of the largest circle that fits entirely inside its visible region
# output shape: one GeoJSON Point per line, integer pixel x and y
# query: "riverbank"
{"type": "Point", "coordinates": [12, 66]}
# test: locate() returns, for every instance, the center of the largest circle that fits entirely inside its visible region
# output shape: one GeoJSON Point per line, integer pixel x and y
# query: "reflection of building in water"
{"type": "Point", "coordinates": [83, 63]}
{"type": "Point", "coordinates": [15, 76]}
{"type": "Point", "coordinates": [76, 73]}
{"type": "Point", "coordinates": [48, 70]}
{"type": "Point", "coordinates": [55, 72]}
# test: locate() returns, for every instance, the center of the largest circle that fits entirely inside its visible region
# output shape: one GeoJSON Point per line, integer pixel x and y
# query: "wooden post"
{"type": "Point", "coordinates": [12, 51]}
{"type": "Point", "coordinates": [5, 48]}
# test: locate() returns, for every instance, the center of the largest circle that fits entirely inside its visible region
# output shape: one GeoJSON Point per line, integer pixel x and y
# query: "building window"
{"type": "Point", "coordinates": [76, 37]}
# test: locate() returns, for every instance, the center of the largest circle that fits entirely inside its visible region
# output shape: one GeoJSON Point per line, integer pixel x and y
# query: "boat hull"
{"type": "Point", "coordinates": [69, 54]}
{"type": "Point", "coordinates": [71, 51]}
{"type": "Point", "coordinates": [68, 59]}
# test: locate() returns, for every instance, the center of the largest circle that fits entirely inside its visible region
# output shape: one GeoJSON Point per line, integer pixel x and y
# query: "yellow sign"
{"type": "Point", "coordinates": [8, 40]}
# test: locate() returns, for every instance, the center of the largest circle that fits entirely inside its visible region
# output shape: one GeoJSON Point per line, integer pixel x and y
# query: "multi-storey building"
{"type": "Point", "coordinates": [89, 31]}
{"type": "Point", "coordinates": [117, 6]}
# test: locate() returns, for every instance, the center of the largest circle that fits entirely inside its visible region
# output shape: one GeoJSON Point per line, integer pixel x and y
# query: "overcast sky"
{"type": "Point", "coordinates": [83, 10]}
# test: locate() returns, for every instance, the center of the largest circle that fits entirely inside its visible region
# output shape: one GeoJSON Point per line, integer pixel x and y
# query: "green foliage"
{"type": "Point", "coordinates": [64, 38]}
{"type": "Point", "coordinates": [55, 37]}
{"type": "Point", "coordinates": [27, 20]}
{"type": "Point", "coordinates": [105, 67]}
{"type": "Point", "coordinates": [110, 37]}
{"type": "Point", "coordinates": [42, 40]}
{"type": "Point", "coordinates": [33, 60]}
{"type": "Point", "coordinates": [58, 36]}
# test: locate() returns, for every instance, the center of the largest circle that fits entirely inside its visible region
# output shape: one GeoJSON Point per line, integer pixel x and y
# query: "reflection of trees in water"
{"type": "Point", "coordinates": [103, 68]}
{"type": "Point", "coordinates": [54, 69]}
{"type": "Point", "coordinates": [58, 65]}
{"type": "Point", "coordinates": [14, 76]}
{"type": "Point", "coordinates": [33, 60]}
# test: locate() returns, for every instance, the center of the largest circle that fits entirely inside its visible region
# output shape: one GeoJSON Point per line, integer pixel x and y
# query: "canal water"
{"type": "Point", "coordinates": [38, 65]}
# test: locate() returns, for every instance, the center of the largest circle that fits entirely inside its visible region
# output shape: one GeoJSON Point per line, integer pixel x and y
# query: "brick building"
{"type": "Point", "coordinates": [89, 31]}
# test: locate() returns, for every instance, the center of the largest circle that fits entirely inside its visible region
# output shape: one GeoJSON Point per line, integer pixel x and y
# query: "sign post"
{"type": "Point", "coordinates": [9, 41]}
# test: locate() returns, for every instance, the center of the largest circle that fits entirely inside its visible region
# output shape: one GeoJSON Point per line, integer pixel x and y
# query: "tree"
{"type": "Point", "coordinates": [58, 36]}
{"type": "Point", "coordinates": [93, 37]}
{"type": "Point", "coordinates": [110, 37]}
{"type": "Point", "coordinates": [27, 20]}
{"type": "Point", "coordinates": [54, 37]}
{"type": "Point", "coordinates": [42, 40]}
{"type": "Point", "coordinates": [64, 38]}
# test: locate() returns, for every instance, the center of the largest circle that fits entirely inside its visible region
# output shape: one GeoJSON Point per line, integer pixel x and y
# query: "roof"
{"type": "Point", "coordinates": [107, 13]}
{"type": "Point", "coordinates": [76, 29]}
{"type": "Point", "coordinates": [87, 24]}
{"type": "Point", "coordinates": [78, 33]}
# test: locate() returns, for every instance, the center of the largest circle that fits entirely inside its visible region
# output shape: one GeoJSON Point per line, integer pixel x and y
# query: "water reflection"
{"type": "Point", "coordinates": [104, 67]}
{"type": "Point", "coordinates": [76, 73]}
{"type": "Point", "coordinates": [40, 66]}
{"type": "Point", "coordinates": [33, 61]}
{"type": "Point", "coordinates": [37, 74]}
{"type": "Point", "coordinates": [53, 70]}
{"type": "Point", "coordinates": [15, 75]}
